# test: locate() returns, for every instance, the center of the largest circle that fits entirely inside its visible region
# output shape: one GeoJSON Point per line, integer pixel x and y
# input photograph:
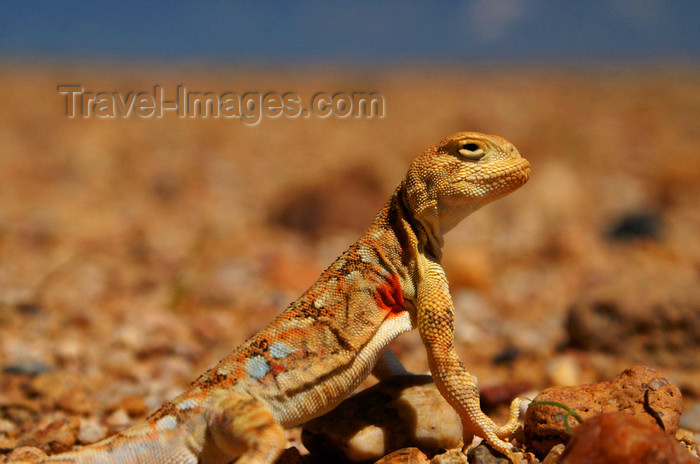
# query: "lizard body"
{"type": "Point", "coordinates": [316, 352]}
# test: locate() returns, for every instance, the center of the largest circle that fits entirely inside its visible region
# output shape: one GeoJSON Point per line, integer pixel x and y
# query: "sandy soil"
{"type": "Point", "coordinates": [136, 253]}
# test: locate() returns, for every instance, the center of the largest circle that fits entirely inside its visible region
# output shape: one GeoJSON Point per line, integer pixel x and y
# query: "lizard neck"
{"type": "Point", "coordinates": [417, 231]}
{"type": "Point", "coordinates": [399, 239]}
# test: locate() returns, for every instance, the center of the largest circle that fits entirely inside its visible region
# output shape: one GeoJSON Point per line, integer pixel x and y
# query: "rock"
{"type": "Point", "coordinates": [554, 455]}
{"type": "Point", "coordinates": [691, 440]}
{"type": "Point", "coordinates": [118, 420]}
{"type": "Point", "coordinates": [91, 431]}
{"type": "Point", "coordinates": [56, 437]}
{"type": "Point", "coordinates": [507, 355]}
{"type": "Point", "coordinates": [25, 454]}
{"type": "Point", "coordinates": [397, 413]}
{"type": "Point", "coordinates": [290, 456]}
{"type": "Point", "coordinates": [133, 405]}
{"type": "Point", "coordinates": [639, 391]}
{"type": "Point", "coordinates": [526, 400]}
{"type": "Point", "coordinates": [640, 225]}
{"type": "Point", "coordinates": [23, 413]}
{"type": "Point", "coordinates": [31, 367]}
{"type": "Point", "coordinates": [7, 444]}
{"type": "Point", "coordinates": [405, 456]}
{"type": "Point", "coordinates": [7, 426]}
{"type": "Point", "coordinates": [563, 370]}
{"type": "Point", "coordinates": [483, 454]}
{"type": "Point", "coordinates": [77, 403]}
{"type": "Point", "coordinates": [642, 322]}
{"type": "Point", "coordinates": [691, 417]}
{"type": "Point", "coordinates": [500, 394]}
{"type": "Point", "coordinates": [450, 457]}
{"type": "Point", "coordinates": [620, 438]}
{"type": "Point", "coordinates": [65, 390]}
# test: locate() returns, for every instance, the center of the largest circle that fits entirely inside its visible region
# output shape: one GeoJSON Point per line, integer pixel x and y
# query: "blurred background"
{"type": "Point", "coordinates": [135, 252]}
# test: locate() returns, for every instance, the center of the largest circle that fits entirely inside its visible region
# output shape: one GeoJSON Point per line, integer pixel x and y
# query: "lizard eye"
{"type": "Point", "coordinates": [471, 151]}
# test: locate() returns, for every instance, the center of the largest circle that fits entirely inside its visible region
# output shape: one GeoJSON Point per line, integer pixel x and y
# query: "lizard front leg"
{"type": "Point", "coordinates": [436, 325]}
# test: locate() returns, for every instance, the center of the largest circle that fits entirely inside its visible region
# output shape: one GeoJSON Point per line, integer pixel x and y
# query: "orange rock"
{"type": "Point", "coordinates": [404, 456]}
{"type": "Point", "coordinates": [620, 438]}
{"type": "Point", "coordinates": [639, 391]}
{"type": "Point", "coordinates": [133, 405]}
{"type": "Point", "coordinates": [26, 453]}
{"type": "Point", "coordinates": [64, 390]}
{"type": "Point", "coordinates": [56, 437]}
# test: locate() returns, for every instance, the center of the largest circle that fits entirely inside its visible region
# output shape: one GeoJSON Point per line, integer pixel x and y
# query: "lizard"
{"type": "Point", "coordinates": [317, 351]}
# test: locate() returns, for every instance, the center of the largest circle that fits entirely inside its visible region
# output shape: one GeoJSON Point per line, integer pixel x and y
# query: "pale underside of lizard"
{"type": "Point", "coordinates": [316, 352]}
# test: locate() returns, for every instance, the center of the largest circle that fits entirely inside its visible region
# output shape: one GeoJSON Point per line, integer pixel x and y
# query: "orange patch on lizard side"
{"type": "Point", "coordinates": [276, 368]}
{"type": "Point", "coordinates": [389, 297]}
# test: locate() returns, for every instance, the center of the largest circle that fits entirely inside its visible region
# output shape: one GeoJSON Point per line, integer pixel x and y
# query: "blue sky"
{"type": "Point", "coordinates": [358, 32]}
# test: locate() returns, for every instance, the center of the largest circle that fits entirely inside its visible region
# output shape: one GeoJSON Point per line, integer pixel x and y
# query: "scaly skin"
{"type": "Point", "coordinates": [323, 345]}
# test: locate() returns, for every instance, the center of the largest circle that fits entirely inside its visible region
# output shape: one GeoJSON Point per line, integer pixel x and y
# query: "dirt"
{"type": "Point", "coordinates": [136, 253]}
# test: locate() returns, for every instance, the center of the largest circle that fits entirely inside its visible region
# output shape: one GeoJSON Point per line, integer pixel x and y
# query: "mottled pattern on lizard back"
{"type": "Point", "coordinates": [319, 336]}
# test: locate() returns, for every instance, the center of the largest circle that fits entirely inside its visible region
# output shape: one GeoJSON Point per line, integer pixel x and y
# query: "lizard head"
{"type": "Point", "coordinates": [458, 176]}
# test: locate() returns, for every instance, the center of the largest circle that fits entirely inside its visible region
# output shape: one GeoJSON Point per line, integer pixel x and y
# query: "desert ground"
{"type": "Point", "coordinates": [135, 253]}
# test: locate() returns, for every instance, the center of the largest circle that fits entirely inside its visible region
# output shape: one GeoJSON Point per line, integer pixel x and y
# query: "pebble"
{"type": "Point", "coordinates": [399, 412]}
{"type": "Point", "coordinates": [638, 225]}
{"type": "Point", "coordinates": [366, 444]}
{"type": "Point", "coordinates": [31, 367]}
{"type": "Point", "coordinates": [526, 400]}
{"type": "Point", "coordinates": [69, 350]}
{"type": "Point", "coordinates": [450, 457]}
{"type": "Point", "coordinates": [26, 453]}
{"type": "Point", "coordinates": [621, 438]}
{"type": "Point", "coordinates": [91, 431]}
{"type": "Point", "coordinates": [130, 337]}
{"type": "Point", "coordinates": [56, 437]}
{"type": "Point", "coordinates": [690, 419]}
{"type": "Point", "coordinates": [65, 390]}
{"type": "Point", "coordinates": [133, 405]}
{"type": "Point", "coordinates": [404, 456]}
{"type": "Point", "coordinates": [554, 454]}
{"type": "Point", "coordinates": [7, 444]}
{"type": "Point", "coordinates": [7, 426]}
{"type": "Point", "coordinates": [691, 440]}
{"type": "Point", "coordinates": [563, 370]}
{"type": "Point", "coordinates": [483, 454]}
{"type": "Point", "coordinates": [77, 403]}
{"type": "Point", "coordinates": [118, 419]}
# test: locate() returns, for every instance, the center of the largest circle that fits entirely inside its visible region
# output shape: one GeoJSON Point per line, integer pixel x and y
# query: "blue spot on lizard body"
{"type": "Point", "coordinates": [279, 350]}
{"type": "Point", "coordinates": [257, 367]}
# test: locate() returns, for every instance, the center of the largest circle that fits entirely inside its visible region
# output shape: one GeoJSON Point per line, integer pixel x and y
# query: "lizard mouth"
{"type": "Point", "coordinates": [521, 170]}
{"type": "Point", "coordinates": [509, 172]}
